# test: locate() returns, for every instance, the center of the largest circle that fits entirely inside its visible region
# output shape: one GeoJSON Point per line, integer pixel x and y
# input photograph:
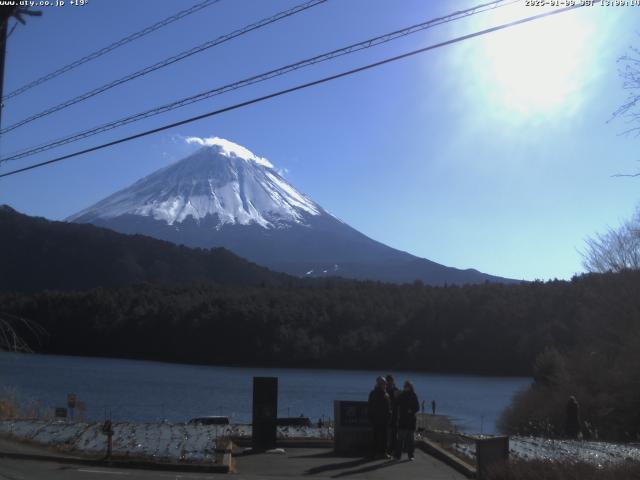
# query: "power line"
{"type": "Point", "coordinates": [296, 88]}
{"type": "Point", "coordinates": [103, 51]}
{"type": "Point", "coordinates": [369, 43]}
{"type": "Point", "coordinates": [166, 62]}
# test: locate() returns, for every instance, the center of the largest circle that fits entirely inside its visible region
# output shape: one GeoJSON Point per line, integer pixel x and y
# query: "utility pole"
{"type": "Point", "coordinates": [6, 12]}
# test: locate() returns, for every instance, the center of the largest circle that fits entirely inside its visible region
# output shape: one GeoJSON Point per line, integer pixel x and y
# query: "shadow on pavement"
{"type": "Point", "coordinates": [370, 468]}
{"type": "Point", "coordinates": [330, 454]}
{"type": "Point", "coordinates": [338, 466]}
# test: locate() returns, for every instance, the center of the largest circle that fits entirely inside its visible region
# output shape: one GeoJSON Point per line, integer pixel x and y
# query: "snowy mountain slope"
{"type": "Point", "coordinates": [221, 179]}
{"type": "Point", "coordinates": [224, 195]}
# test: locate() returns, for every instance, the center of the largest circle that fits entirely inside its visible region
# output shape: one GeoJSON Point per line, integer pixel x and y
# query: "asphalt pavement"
{"type": "Point", "coordinates": [295, 463]}
{"type": "Point", "coordinates": [37, 470]}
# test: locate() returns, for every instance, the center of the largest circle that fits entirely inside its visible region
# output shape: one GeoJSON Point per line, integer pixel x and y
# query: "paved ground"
{"type": "Point", "coordinates": [306, 463]}
{"type": "Point", "coordinates": [296, 463]}
{"type": "Point", "coordinates": [34, 470]}
{"type": "Point", "coordinates": [11, 446]}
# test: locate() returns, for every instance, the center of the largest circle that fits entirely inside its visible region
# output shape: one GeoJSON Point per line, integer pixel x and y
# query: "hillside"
{"type": "Point", "coordinates": [38, 254]}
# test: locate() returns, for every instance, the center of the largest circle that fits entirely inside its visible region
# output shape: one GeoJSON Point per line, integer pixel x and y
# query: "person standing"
{"type": "Point", "coordinates": [408, 406]}
{"type": "Point", "coordinates": [379, 411]}
{"type": "Point", "coordinates": [433, 407]}
{"type": "Point", "coordinates": [573, 418]}
{"type": "Point", "coordinates": [393, 393]}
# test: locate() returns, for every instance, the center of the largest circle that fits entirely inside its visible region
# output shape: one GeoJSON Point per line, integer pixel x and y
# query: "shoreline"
{"type": "Point", "coordinates": [376, 371]}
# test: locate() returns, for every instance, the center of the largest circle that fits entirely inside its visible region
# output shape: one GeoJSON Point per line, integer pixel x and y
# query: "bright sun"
{"type": "Point", "coordinates": [537, 66]}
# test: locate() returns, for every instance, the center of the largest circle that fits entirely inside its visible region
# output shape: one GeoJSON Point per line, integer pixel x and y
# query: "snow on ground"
{"type": "Point", "coordinates": [529, 448]}
{"type": "Point", "coordinates": [160, 441]}
{"type": "Point", "coordinates": [196, 443]}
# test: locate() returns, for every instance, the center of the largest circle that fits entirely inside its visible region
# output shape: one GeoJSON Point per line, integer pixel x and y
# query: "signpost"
{"type": "Point", "coordinates": [107, 429]}
{"type": "Point", "coordinates": [265, 412]}
{"type": "Point", "coordinates": [352, 431]}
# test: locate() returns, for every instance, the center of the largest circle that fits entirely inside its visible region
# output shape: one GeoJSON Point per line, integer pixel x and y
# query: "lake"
{"type": "Point", "coordinates": [150, 391]}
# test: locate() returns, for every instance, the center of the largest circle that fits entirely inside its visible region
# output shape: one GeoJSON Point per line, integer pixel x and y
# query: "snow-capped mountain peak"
{"type": "Point", "coordinates": [223, 180]}
{"type": "Point", "coordinates": [230, 149]}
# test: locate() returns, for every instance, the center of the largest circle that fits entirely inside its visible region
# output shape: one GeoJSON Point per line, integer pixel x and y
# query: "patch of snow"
{"type": "Point", "coordinates": [529, 448]}
{"type": "Point", "coordinates": [164, 441]}
{"type": "Point", "coordinates": [174, 442]}
{"type": "Point", "coordinates": [293, 196]}
{"type": "Point", "coordinates": [229, 149]}
{"type": "Point", "coordinates": [276, 451]}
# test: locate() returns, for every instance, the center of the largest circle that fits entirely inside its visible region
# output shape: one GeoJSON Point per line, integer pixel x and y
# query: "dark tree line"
{"type": "Point", "coordinates": [489, 328]}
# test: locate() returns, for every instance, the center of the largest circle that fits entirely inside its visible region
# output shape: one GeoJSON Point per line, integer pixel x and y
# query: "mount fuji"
{"type": "Point", "coordinates": [223, 195]}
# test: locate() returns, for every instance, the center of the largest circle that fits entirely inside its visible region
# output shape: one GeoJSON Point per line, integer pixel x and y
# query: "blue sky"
{"type": "Point", "coordinates": [494, 153]}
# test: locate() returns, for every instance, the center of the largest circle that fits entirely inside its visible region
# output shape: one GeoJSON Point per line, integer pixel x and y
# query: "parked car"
{"type": "Point", "coordinates": [293, 422]}
{"type": "Point", "coordinates": [210, 420]}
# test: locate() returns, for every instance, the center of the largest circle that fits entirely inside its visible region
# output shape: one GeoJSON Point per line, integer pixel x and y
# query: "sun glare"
{"type": "Point", "coordinates": [535, 67]}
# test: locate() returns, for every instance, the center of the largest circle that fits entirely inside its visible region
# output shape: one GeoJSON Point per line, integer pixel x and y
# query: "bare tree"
{"type": "Point", "coordinates": [629, 71]}
{"type": "Point", "coordinates": [616, 250]}
{"type": "Point", "coordinates": [13, 341]}
{"type": "Point", "coordinates": [619, 248]}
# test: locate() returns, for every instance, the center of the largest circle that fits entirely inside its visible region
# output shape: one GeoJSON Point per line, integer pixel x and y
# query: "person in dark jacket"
{"type": "Point", "coordinates": [393, 393]}
{"type": "Point", "coordinates": [379, 410]}
{"type": "Point", "coordinates": [408, 406]}
{"type": "Point", "coordinates": [573, 418]}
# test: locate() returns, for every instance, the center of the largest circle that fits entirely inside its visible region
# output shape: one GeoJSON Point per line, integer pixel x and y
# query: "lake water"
{"type": "Point", "coordinates": [150, 391]}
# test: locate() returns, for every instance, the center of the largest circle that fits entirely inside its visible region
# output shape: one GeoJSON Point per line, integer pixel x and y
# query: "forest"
{"type": "Point", "coordinates": [489, 328]}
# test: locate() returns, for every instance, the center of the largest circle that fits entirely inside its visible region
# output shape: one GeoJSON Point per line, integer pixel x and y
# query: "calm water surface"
{"type": "Point", "coordinates": [150, 391]}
